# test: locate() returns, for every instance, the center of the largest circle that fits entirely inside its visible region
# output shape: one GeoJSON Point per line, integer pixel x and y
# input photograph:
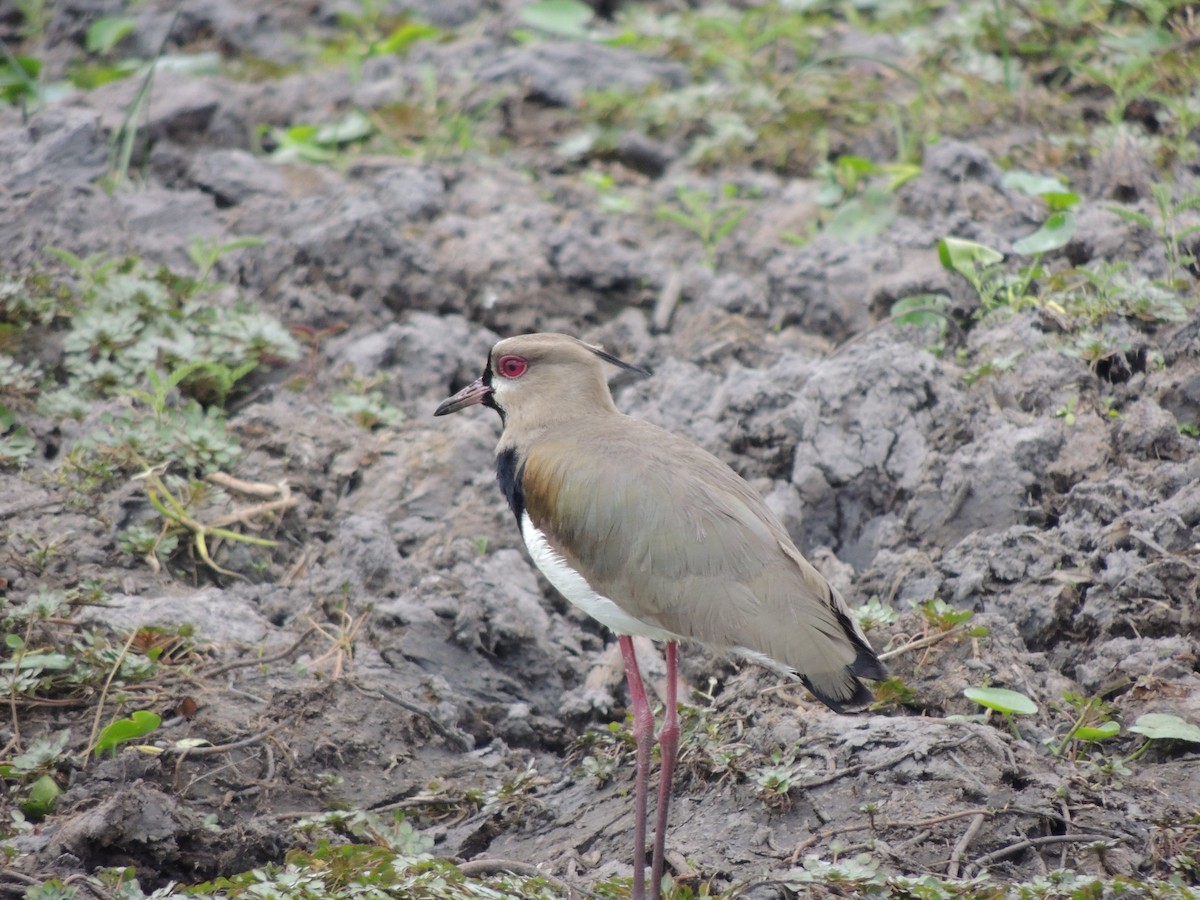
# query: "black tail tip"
{"type": "Point", "coordinates": [851, 695]}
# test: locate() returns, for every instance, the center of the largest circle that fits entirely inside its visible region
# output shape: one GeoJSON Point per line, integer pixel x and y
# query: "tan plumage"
{"type": "Point", "coordinates": [677, 539]}
{"type": "Point", "coordinates": [653, 535]}
{"type": "Point", "coordinates": [663, 528]}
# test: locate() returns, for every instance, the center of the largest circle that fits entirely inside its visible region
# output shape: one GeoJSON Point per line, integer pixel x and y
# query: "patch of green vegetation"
{"type": "Point", "coordinates": [1090, 722]}
{"type": "Point", "coordinates": [441, 120]}
{"type": "Point", "coordinates": [371, 31]}
{"type": "Point", "coordinates": [363, 402]}
{"type": "Point", "coordinates": [775, 780]}
{"type": "Point", "coordinates": [860, 195]}
{"type": "Point", "coordinates": [710, 218]}
{"type": "Point", "coordinates": [940, 616]}
{"type": "Point", "coordinates": [559, 18]}
{"type": "Point", "coordinates": [1169, 227]}
{"type": "Point", "coordinates": [163, 353]}
{"type": "Point", "coordinates": [49, 658]}
{"type": "Point", "coordinates": [604, 753]}
{"type": "Point", "coordinates": [315, 143]}
{"type": "Point", "coordinates": [874, 614]}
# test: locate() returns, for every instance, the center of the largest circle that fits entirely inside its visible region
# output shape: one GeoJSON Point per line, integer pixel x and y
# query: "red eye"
{"type": "Point", "coordinates": [512, 366]}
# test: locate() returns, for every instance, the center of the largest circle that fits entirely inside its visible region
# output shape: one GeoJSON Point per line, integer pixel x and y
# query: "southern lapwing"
{"type": "Point", "coordinates": [651, 535]}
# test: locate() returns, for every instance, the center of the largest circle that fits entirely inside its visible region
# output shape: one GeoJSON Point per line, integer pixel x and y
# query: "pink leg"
{"type": "Point", "coordinates": [668, 740]}
{"type": "Point", "coordinates": [643, 733]}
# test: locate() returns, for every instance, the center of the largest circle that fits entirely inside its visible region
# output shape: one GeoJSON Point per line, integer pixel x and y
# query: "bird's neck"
{"type": "Point", "coordinates": [523, 427]}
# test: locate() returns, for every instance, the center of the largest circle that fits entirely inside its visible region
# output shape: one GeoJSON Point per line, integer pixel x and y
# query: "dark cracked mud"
{"type": "Point", "coordinates": [396, 650]}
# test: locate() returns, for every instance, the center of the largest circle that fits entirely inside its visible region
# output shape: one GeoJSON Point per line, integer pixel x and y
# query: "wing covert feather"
{"type": "Point", "coordinates": [674, 537]}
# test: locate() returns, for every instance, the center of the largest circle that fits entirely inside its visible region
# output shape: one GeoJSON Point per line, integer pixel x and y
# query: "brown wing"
{"type": "Point", "coordinates": [676, 538]}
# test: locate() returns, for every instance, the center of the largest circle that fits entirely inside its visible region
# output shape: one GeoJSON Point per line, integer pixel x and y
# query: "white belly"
{"type": "Point", "coordinates": [576, 589]}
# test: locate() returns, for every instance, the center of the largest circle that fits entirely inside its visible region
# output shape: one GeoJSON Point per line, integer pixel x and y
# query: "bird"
{"type": "Point", "coordinates": [654, 536]}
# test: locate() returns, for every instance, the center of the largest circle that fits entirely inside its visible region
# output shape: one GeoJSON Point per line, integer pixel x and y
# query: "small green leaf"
{"type": "Point", "coordinates": [13, 641]}
{"type": "Point", "coordinates": [403, 38]}
{"type": "Point", "coordinates": [1163, 726]}
{"type": "Point", "coordinates": [565, 18]}
{"type": "Point", "coordinates": [1002, 700]}
{"type": "Point", "coordinates": [1131, 215]}
{"type": "Point", "coordinates": [863, 217]}
{"type": "Point", "coordinates": [106, 32]}
{"type": "Point", "coordinates": [139, 724]}
{"type": "Point", "coordinates": [42, 795]}
{"type": "Point", "coordinates": [1033, 183]}
{"type": "Point", "coordinates": [18, 77]}
{"type": "Point", "coordinates": [1061, 200]}
{"type": "Point", "coordinates": [963, 256]}
{"type": "Point", "coordinates": [354, 127]}
{"type": "Point", "coordinates": [1055, 233]}
{"type": "Point", "coordinates": [56, 662]}
{"type": "Point", "coordinates": [923, 310]}
{"type": "Point", "coordinates": [1101, 732]}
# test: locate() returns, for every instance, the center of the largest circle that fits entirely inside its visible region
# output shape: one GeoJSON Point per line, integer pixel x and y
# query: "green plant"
{"type": "Point", "coordinates": [19, 83]}
{"type": "Point", "coordinates": [365, 404]}
{"type": "Point", "coordinates": [609, 198]}
{"type": "Point", "coordinates": [710, 218]}
{"type": "Point", "coordinates": [1127, 80]}
{"type": "Point", "coordinates": [35, 771]}
{"type": "Point", "coordinates": [895, 691]}
{"type": "Point", "coordinates": [16, 443]}
{"type": "Point", "coordinates": [776, 780]}
{"type": "Point", "coordinates": [873, 614]}
{"type": "Point", "coordinates": [136, 725]}
{"type": "Point", "coordinates": [1162, 727]}
{"type": "Point", "coordinates": [860, 195]}
{"type": "Point", "coordinates": [1007, 703]}
{"type": "Point", "coordinates": [1091, 722]}
{"type": "Point", "coordinates": [925, 311]}
{"type": "Point", "coordinates": [440, 121]}
{"type": "Point", "coordinates": [369, 32]}
{"type": "Point", "coordinates": [1090, 295]}
{"type": "Point", "coordinates": [35, 16]}
{"type": "Point", "coordinates": [517, 796]}
{"type": "Point", "coordinates": [1095, 347]}
{"type": "Point", "coordinates": [1066, 412]}
{"type": "Point", "coordinates": [106, 32]}
{"type": "Point", "coordinates": [1166, 224]}
{"type": "Point", "coordinates": [982, 266]}
{"type": "Point", "coordinates": [206, 253]}
{"type": "Point", "coordinates": [560, 18]}
{"type": "Point", "coordinates": [603, 753]}
{"type": "Point", "coordinates": [315, 143]}
{"type": "Point", "coordinates": [940, 615]}
{"type": "Point", "coordinates": [124, 138]}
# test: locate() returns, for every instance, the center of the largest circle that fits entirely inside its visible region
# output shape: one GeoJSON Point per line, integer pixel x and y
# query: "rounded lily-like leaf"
{"type": "Point", "coordinates": [1163, 726]}
{"type": "Point", "coordinates": [960, 255]}
{"type": "Point", "coordinates": [1055, 233]}
{"type": "Point", "coordinates": [1002, 700]}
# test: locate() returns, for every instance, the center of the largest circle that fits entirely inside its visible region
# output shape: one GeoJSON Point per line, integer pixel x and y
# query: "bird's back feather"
{"type": "Point", "coordinates": [678, 540]}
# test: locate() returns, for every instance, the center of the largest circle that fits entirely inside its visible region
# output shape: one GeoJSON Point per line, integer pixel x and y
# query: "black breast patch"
{"type": "Point", "coordinates": [509, 477]}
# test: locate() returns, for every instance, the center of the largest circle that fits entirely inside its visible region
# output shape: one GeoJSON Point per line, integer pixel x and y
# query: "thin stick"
{"type": "Point", "coordinates": [452, 735]}
{"type": "Point", "coordinates": [884, 826]}
{"type": "Point", "coordinates": [262, 660]}
{"type": "Point", "coordinates": [480, 868]}
{"type": "Point", "coordinates": [1030, 843]}
{"type": "Point", "coordinates": [963, 843]}
{"type": "Point", "coordinates": [925, 642]}
{"type": "Point", "coordinates": [91, 743]}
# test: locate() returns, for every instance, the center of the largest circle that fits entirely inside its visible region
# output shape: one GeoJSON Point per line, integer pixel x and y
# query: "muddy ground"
{"type": "Point", "coordinates": [1056, 497]}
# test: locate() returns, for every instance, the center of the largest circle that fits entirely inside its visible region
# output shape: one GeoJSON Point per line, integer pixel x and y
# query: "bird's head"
{"type": "Point", "coordinates": [534, 380]}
